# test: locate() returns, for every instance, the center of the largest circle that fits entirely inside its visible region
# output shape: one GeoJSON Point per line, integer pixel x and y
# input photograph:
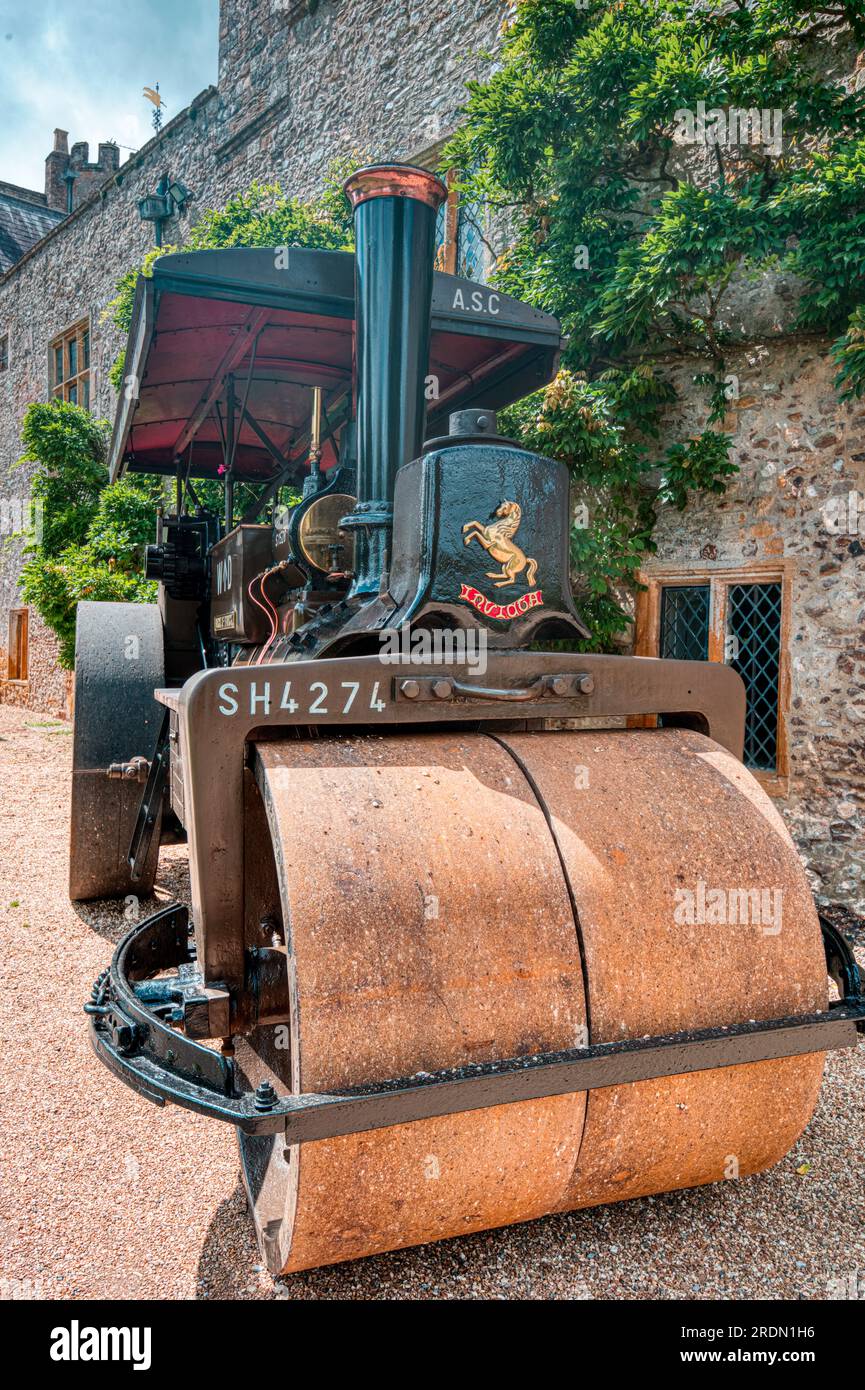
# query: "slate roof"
{"type": "Point", "coordinates": [24, 220]}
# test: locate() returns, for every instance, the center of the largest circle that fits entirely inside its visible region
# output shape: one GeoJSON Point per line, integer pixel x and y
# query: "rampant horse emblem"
{"type": "Point", "coordinates": [497, 539]}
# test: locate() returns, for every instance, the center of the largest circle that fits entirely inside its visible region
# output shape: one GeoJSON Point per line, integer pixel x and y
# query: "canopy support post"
{"type": "Point", "coordinates": [228, 453]}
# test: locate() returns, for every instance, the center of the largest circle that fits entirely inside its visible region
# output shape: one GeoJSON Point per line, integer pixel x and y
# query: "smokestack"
{"type": "Point", "coordinates": [395, 207]}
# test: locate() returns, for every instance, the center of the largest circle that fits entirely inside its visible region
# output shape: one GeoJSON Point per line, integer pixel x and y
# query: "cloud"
{"type": "Point", "coordinates": [82, 67]}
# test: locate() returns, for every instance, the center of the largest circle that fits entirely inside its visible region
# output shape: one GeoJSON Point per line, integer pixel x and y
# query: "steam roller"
{"type": "Point", "coordinates": [483, 926]}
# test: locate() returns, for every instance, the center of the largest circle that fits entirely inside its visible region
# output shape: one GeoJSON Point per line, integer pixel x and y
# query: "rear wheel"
{"type": "Point", "coordinates": [119, 662]}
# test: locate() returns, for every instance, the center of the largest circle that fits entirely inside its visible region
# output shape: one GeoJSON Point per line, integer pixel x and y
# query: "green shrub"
{"type": "Point", "coordinates": [91, 541]}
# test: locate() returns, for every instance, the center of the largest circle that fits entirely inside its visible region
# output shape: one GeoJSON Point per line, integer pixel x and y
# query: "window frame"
{"type": "Point", "coordinates": [448, 253]}
{"type": "Point", "coordinates": [4, 360]}
{"type": "Point", "coordinates": [18, 649]}
{"type": "Point", "coordinates": [721, 578]}
{"type": "Point", "coordinates": [79, 336]}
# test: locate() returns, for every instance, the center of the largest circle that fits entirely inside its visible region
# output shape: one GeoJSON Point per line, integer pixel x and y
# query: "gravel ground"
{"type": "Point", "coordinates": [105, 1196]}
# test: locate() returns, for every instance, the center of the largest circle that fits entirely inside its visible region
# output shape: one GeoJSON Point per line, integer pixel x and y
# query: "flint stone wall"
{"type": "Point", "coordinates": [798, 502]}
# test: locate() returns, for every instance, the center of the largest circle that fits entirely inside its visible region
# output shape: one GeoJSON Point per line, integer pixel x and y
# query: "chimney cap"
{"type": "Point", "coordinates": [61, 141]}
{"type": "Point", "coordinates": [395, 181]}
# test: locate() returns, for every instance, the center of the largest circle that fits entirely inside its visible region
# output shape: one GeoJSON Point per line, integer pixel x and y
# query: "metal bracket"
{"type": "Point", "coordinates": [132, 1034]}
{"type": "Point", "coordinates": [841, 963]}
{"type": "Point", "coordinates": [147, 810]}
{"type": "Point", "coordinates": [447, 688]}
{"type": "Point", "coordinates": [136, 770]}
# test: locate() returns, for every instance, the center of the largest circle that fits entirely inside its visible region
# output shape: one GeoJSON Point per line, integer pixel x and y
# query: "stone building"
{"type": "Point", "coordinates": [771, 577]}
{"type": "Point", "coordinates": [25, 217]}
{"type": "Point", "coordinates": [299, 84]}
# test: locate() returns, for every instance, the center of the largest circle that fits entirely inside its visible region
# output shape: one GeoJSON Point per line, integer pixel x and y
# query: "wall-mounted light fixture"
{"type": "Point", "coordinates": [171, 196]}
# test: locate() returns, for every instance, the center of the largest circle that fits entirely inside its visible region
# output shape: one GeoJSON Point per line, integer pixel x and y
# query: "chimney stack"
{"type": "Point", "coordinates": [70, 178]}
{"type": "Point", "coordinates": [56, 193]}
{"type": "Point", "coordinates": [395, 208]}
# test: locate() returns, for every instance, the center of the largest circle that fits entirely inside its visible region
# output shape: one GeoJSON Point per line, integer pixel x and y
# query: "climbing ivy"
{"type": "Point", "coordinates": [578, 145]}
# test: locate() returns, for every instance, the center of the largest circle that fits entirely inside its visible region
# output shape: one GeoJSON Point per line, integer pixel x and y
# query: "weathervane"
{"type": "Point", "coordinates": [152, 94]}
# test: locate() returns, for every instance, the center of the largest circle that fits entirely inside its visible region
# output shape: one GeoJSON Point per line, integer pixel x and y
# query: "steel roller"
{"type": "Point", "coordinates": [483, 896]}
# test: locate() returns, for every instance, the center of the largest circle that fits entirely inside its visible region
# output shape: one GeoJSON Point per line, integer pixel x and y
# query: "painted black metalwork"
{"type": "Point", "coordinates": [132, 1034]}
{"type": "Point", "coordinates": [119, 658]}
{"type": "Point", "coordinates": [151, 805]}
{"type": "Point", "coordinates": [755, 634]}
{"type": "Point", "coordinates": [685, 622]}
{"type": "Point", "coordinates": [393, 297]}
{"type": "Point", "coordinates": [841, 963]}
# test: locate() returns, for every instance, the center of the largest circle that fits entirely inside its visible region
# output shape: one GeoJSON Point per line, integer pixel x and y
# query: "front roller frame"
{"type": "Point", "coordinates": [218, 713]}
{"type": "Point", "coordinates": [131, 1031]}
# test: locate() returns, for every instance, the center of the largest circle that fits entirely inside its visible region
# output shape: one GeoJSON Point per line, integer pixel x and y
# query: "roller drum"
{"type": "Point", "coordinates": [474, 897]}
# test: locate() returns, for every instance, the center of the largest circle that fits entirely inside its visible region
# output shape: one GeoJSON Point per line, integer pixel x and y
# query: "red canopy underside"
{"type": "Point", "coordinates": [294, 351]}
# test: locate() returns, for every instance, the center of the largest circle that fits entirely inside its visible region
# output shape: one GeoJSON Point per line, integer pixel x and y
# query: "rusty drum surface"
{"type": "Point", "coordinates": [663, 827]}
{"type": "Point", "coordinates": [434, 923]}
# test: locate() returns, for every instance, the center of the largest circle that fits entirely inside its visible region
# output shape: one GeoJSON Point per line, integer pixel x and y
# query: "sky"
{"type": "Point", "coordinates": [81, 65]}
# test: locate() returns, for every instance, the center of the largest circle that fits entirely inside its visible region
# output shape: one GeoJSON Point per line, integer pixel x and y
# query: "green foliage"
{"type": "Point", "coordinates": [701, 464]}
{"type": "Point", "coordinates": [265, 216]}
{"type": "Point", "coordinates": [68, 448]}
{"type": "Point", "coordinates": [125, 521]}
{"type": "Point", "coordinates": [92, 538]}
{"type": "Point", "coordinates": [849, 354]}
{"type": "Point", "coordinates": [617, 483]}
{"type": "Point", "coordinates": [822, 210]}
{"type": "Point", "coordinates": [634, 238]}
{"type": "Point", "coordinates": [55, 585]}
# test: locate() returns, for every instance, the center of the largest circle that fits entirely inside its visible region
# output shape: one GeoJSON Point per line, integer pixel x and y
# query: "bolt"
{"type": "Point", "coordinates": [586, 684]}
{"type": "Point", "coordinates": [442, 690]}
{"type": "Point", "coordinates": [265, 1097]}
{"type": "Point", "coordinates": [123, 1035]}
{"type": "Point", "coordinates": [559, 685]}
{"type": "Point", "coordinates": [410, 689]}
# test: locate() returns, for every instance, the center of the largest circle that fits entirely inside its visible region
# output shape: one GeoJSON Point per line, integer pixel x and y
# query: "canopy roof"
{"type": "Point", "coordinates": [220, 331]}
